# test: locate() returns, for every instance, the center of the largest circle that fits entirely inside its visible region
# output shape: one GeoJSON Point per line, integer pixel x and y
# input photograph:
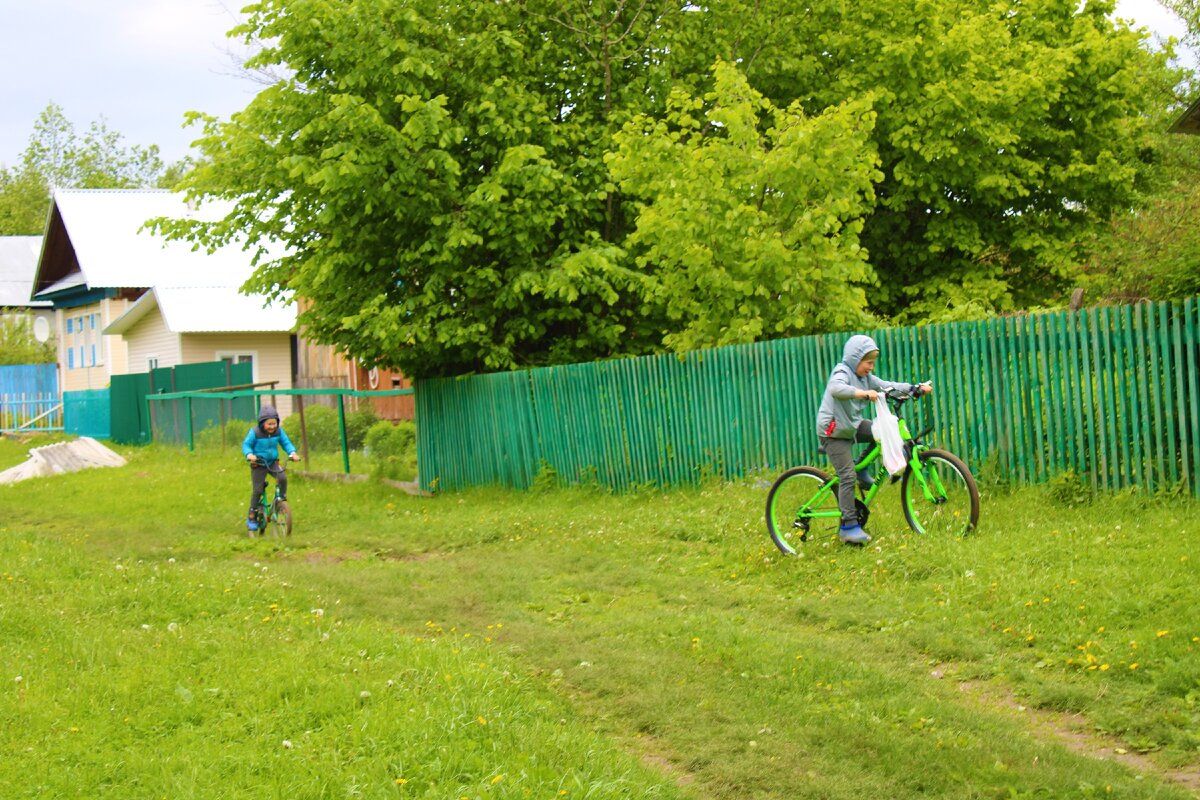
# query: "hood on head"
{"type": "Point", "coordinates": [856, 348]}
{"type": "Point", "coordinates": [267, 412]}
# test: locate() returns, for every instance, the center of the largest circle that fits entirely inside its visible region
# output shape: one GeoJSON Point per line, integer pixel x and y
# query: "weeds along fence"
{"type": "Point", "coordinates": [1111, 395]}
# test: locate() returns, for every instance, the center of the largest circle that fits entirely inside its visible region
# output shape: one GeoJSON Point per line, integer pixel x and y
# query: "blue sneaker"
{"type": "Point", "coordinates": [251, 525]}
{"type": "Point", "coordinates": [853, 534]}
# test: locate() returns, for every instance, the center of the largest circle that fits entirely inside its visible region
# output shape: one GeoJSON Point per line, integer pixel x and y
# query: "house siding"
{"type": "Point", "coordinates": [113, 358]}
{"type": "Point", "coordinates": [272, 350]}
{"type": "Point", "coordinates": [150, 338]}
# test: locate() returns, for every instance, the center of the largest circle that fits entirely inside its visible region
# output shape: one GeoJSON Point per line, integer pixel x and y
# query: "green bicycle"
{"type": "Point", "coordinates": [937, 492]}
{"type": "Point", "coordinates": [273, 513]}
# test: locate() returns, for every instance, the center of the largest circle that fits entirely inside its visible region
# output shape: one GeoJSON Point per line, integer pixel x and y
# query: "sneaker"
{"type": "Point", "coordinates": [853, 534]}
{"type": "Point", "coordinates": [251, 525]}
{"type": "Point", "coordinates": [865, 479]}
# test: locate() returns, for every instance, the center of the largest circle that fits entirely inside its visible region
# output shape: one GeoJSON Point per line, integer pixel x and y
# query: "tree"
{"type": "Point", "coordinates": [18, 345]}
{"type": "Point", "coordinates": [470, 187]}
{"type": "Point", "coordinates": [752, 233]}
{"type": "Point", "coordinates": [57, 156]}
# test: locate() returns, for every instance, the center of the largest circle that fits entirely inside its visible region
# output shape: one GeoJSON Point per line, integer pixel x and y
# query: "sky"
{"type": "Point", "coordinates": [141, 65]}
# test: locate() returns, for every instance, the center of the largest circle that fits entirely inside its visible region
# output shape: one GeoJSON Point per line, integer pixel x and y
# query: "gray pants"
{"type": "Point", "coordinates": [258, 481]}
{"type": "Point", "coordinates": [841, 454]}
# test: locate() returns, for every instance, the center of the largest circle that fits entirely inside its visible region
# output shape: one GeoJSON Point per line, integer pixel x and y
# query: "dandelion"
{"type": "Point", "coordinates": [481, 720]}
{"type": "Point", "coordinates": [1161, 634]}
{"type": "Point", "coordinates": [1104, 667]}
{"type": "Point", "coordinates": [287, 745]}
{"type": "Point", "coordinates": [401, 781]}
{"type": "Point", "coordinates": [18, 679]}
{"type": "Point", "coordinates": [173, 627]}
{"type": "Point", "coordinates": [317, 612]}
{"type": "Point", "coordinates": [1134, 665]}
{"type": "Point", "coordinates": [497, 779]}
{"type": "Point", "coordinates": [364, 695]}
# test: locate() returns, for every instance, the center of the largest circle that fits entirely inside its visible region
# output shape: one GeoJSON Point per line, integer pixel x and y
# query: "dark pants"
{"type": "Point", "coordinates": [841, 454]}
{"type": "Point", "coordinates": [258, 480]}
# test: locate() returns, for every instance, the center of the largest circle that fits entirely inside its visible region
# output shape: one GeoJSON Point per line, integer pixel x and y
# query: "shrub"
{"type": "Point", "coordinates": [235, 432]}
{"type": "Point", "coordinates": [358, 422]}
{"type": "Point", "coordinates": [393, 449]}
{"type": "Point", "coordinates": [321, 423]}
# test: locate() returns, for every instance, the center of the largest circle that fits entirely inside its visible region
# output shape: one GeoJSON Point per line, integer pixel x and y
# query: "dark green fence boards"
{"type": "Point", "coordinates": [130, 417]}
{"type": "Point", "coordinates": [1112, 394]}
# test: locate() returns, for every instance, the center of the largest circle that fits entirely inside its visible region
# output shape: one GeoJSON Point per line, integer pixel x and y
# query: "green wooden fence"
{"type": "Point", "coordinates": [1112, 394]}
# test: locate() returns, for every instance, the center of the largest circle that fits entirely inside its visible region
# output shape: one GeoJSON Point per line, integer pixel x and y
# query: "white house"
{"type": "Point", "coordinates": [126, 300]}
{"type": "Point", "coordinates": [18, 262]}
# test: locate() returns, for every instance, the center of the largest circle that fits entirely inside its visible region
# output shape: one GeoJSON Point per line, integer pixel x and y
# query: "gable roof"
{"type": "Point", "coordinates": [98, 233]}
{"type": "Point", "coordinates": [1188, 121]}
{"type": "Point", "coordinates": [207, 309]}
{"type": "Point", "coordinates": [18, 263]}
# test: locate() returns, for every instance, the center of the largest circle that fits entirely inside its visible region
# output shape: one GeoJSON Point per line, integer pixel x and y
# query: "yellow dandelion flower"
{"type": "Point", "coordinates": [497, 779]}
{"type": "Point", "coordinates": [1161, 634]}
{"type": "Point", "coordinates": [401, 781]}
{"type": "Point", "coordinates": [1134, 665]}
{"type": "Point", "coordinates": [1104, 667]}
{"type": "Point", "coordinates": [481, 720]}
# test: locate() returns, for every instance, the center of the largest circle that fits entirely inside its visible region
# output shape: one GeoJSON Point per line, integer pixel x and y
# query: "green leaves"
{"type": "Point", "coordinates": [484, 186]}
{"type": "Point", "coordinates": [750, 217]}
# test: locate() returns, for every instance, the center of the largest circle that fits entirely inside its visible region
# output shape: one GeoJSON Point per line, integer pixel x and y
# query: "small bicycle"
{"type": "Point", "coordinates": [937, 492]}
{"type": "Point", "coordinates": [272, 512]}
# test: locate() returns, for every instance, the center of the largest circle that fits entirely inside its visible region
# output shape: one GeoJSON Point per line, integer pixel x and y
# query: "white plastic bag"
{"type": "Point", "coordinates": [886, 430]}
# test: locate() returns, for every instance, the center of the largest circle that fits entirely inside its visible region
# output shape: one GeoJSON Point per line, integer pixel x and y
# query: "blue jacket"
{"type": "Point", "coordinates": [264, 446]}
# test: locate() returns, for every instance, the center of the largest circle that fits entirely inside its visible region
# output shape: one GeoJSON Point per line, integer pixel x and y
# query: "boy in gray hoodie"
{"type": "Point", "coordinates": [840, 422]}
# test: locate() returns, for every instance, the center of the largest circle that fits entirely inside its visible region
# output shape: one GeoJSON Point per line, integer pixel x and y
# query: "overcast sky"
{"type": "Point", "coordinates": [142, 64]}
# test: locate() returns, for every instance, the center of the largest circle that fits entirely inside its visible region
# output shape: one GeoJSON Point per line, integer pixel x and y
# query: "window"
{"type": "Point", "coordinates": [237, 357]}
{"type": "Point", "coordinates": [84, 345]}
{"type": "Point", "coordinates": [151, 362]}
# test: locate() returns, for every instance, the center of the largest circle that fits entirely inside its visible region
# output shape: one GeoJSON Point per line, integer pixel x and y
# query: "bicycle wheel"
{"type": "Point", "coordinates": [948, 502]}
{"type": "Point", "coordinates": [802, 504]}
{"type": "Point", "coordinates": [281, 519]}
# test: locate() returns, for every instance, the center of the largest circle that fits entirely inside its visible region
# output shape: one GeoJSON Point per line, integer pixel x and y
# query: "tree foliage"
{"type": "Point", "coordinates": [57, 156]}
{"type": "Point", "coordinates": [18, 345]}
{"type": "Point", "coordinates": [478, 186]}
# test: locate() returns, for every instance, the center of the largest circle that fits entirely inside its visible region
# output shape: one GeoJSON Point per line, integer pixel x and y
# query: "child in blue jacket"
{"type": "Point", "coordinates": [840, 422]}
{"type": "Point", "coordinates": [261, 448]}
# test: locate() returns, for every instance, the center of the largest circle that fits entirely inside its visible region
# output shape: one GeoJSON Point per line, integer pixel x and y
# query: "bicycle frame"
{"type": "Point", "coordinates": [912, 445]}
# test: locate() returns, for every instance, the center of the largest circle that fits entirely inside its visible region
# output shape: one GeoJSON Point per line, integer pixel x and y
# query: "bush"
{"type": "Point", "coordinates": [235, 432]}
{"type": "Point", "coordinates": [393, 449]}
{"type": "Point", "coordinates": [321, 423]}
{"type": "Point", "coordinates": [324, 434]}
{"type": "Point", "coordinates": [358, 422]}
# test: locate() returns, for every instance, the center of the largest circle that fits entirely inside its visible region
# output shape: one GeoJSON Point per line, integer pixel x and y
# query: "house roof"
{"type": "Point", "coordinates": [207, 309]}
{"type": "Point", "coordinates": [1189, 120]}
{"type": "Point", "coordinates": [18, 262]}
{"type": "Point", "coordinates": [98, 232]}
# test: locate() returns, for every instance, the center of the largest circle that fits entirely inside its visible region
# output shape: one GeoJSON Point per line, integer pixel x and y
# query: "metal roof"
{"type": "Point", "coordinates": [207, 309]}
{"type": "Point", "coordinates": [18, 263]}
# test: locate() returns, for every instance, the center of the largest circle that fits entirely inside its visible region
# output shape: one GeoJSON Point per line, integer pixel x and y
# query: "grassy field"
{"type": "Point", "coordinates": [572, 644]}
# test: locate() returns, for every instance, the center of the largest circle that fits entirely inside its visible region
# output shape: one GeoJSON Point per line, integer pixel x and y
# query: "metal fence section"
{"type": "Point", "coordinates": [1111, 394]}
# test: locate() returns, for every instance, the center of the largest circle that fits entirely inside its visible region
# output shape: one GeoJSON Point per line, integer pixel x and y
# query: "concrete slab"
{"type": "Point", "coordinates": [61, 458]}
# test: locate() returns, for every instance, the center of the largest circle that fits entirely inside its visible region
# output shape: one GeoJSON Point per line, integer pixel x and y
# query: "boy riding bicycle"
{"type": "Point", "coordinates": [261, 448]}
{"type": "Point", "coordinates": [840, 422]}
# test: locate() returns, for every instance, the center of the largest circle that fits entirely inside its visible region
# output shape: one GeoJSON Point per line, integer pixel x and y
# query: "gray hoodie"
{"type": "Point", "coordinates": [840, 410]}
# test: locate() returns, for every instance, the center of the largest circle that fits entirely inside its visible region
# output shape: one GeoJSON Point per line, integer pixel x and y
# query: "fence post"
{"type": "Point", "coordinates": [342, 425]}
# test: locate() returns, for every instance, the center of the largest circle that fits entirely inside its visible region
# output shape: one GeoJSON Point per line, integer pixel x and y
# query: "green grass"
{"type": "Point", "coordinates": [581, 644]}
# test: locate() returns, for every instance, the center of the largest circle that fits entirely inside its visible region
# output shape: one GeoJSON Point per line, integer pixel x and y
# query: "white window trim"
{"type": "Point", "coordinates": [221, 355]}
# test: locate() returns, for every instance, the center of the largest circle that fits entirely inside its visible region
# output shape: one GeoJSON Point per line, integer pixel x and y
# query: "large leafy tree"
{"type": "Point", "coordinates": [58, 156]}
{"type": "Point", "coordinates": [478, 186]}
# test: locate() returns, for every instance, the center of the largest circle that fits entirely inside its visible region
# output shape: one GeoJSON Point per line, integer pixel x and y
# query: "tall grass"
{"type": "Point", "coordinates": [575, 643]}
